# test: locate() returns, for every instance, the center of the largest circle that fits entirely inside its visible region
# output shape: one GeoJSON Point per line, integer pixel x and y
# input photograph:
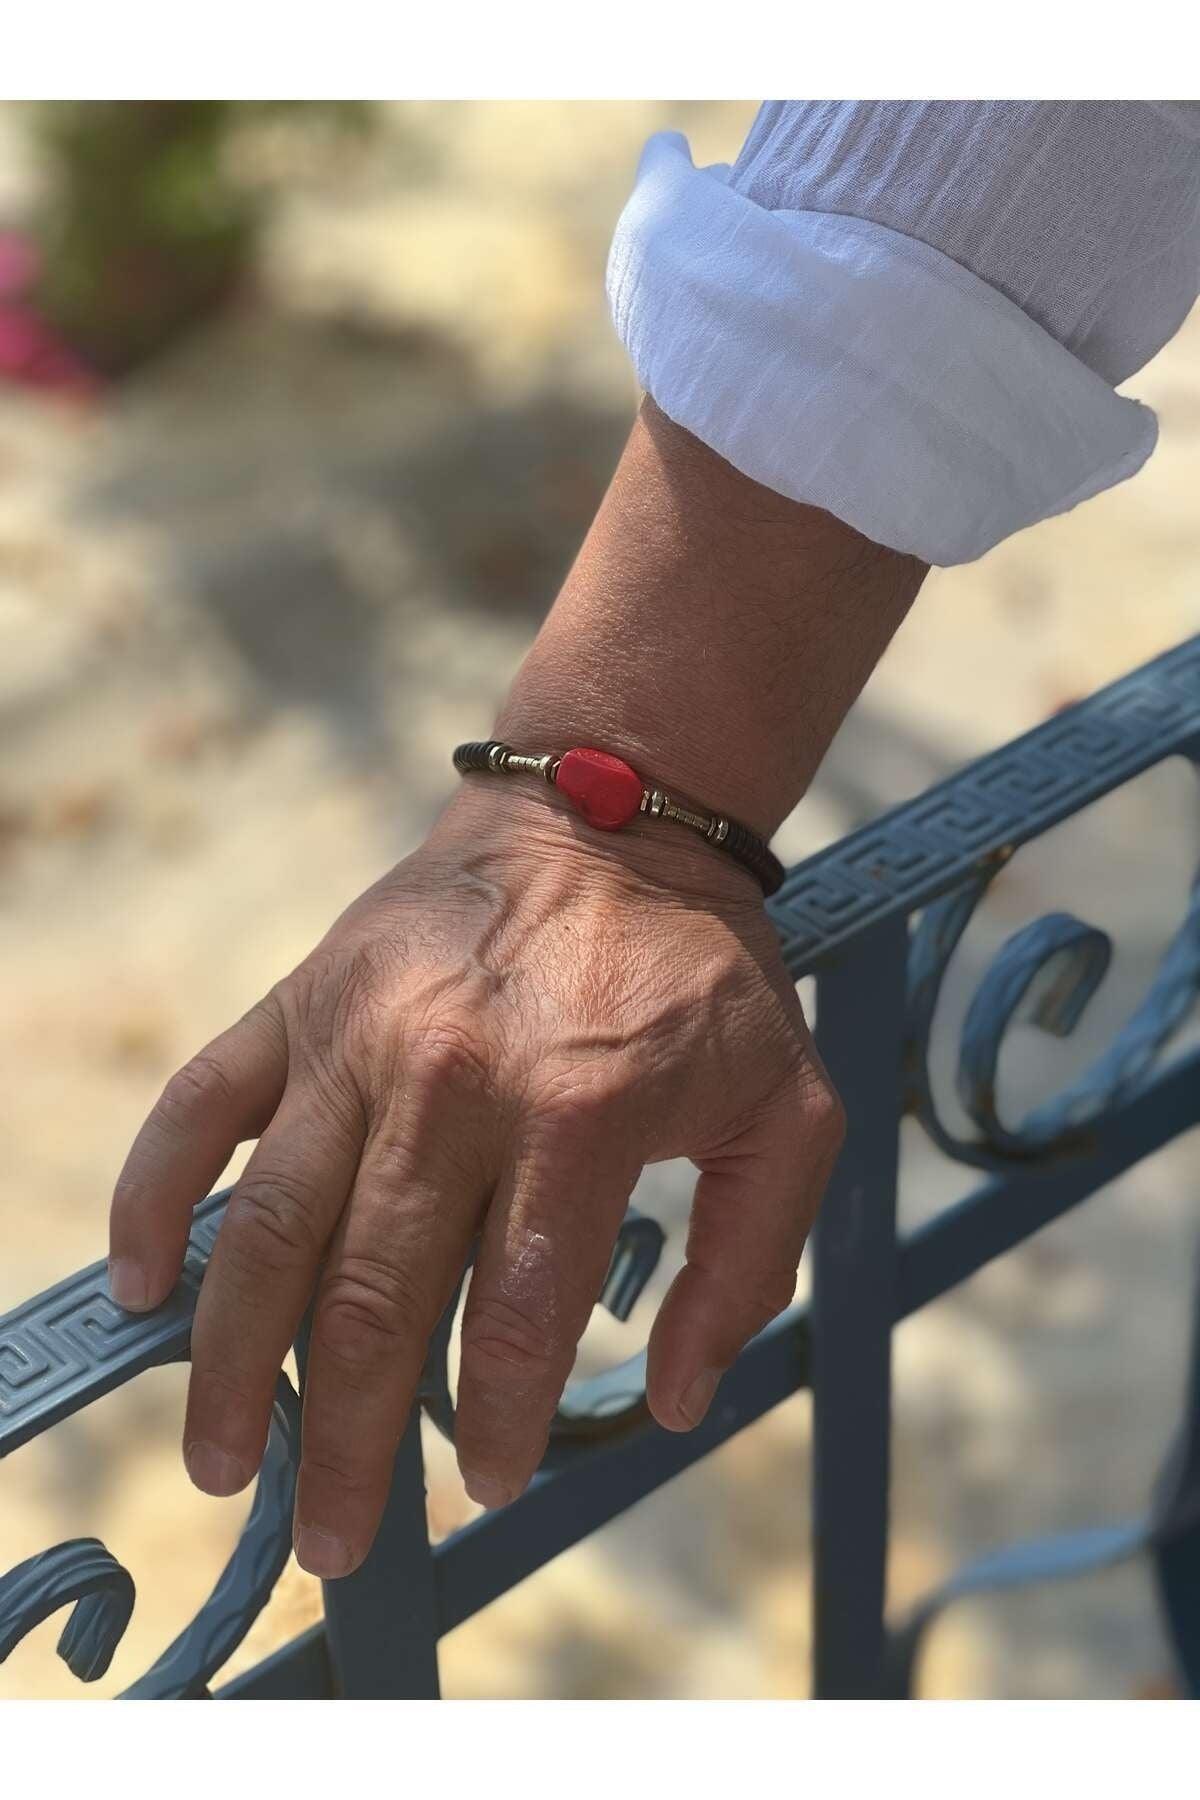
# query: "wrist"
{"type": "Point", "coordinates": [711, 634]}
{"type": "Point", "coordinates": [697, 761]}
{"type": "Point", "coordinates": [610, 794]}
{"type": "Point", "coordinates": [530, 824]}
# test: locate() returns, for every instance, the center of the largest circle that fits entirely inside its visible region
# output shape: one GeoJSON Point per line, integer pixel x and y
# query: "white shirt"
{"type": "Point", "coordinates": [913, 314]}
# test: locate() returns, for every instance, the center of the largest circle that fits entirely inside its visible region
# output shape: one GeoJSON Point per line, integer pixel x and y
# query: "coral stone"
{"type": "Point", "coordinates": [603, 788]}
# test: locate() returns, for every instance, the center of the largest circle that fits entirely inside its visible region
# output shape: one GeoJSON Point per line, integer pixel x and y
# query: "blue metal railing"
{"type": "Point", "coordinates": [875, 919]}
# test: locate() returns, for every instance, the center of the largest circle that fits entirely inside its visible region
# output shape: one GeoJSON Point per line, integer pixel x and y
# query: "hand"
{"type": "Point", "coordinates": [492, 1041]}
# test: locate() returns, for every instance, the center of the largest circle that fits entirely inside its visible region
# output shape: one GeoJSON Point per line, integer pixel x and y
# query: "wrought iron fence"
{"type": "Point", "coordinates": [875, 919]}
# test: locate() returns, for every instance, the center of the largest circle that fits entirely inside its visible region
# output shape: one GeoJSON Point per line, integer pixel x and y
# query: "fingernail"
{"type": "Point", "coordinates": [321, 1553]}
{"type": "Point", "coordinates": [486, 1492]}
{"type": "Point", "coordinates": [214, 1470]}
{"type": "Point", "coordinates": [695, 1400]}
{"type": "Point", "coordinates": [127, 1284]}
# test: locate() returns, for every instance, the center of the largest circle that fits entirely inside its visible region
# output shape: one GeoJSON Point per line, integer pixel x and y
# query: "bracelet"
{"type": "Point", "coordinates": [607, 793]}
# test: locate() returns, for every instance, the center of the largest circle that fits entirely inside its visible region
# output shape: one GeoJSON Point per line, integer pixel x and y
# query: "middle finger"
{"type": "Point", "coordinates": [396, 1259]}
{"type": "Point", "coordinates": [258, 1282]}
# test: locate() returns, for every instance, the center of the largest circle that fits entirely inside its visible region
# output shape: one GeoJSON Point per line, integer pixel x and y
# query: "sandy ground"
{"type": "Point", "coordinates": [309, 548]}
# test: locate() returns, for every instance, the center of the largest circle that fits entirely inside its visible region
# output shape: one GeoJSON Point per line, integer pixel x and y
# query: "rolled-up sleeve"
{"type": "Point", "coordinates": [914, 314]}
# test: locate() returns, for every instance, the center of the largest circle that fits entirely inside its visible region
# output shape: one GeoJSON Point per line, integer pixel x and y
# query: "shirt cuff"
{"type": "Point", "coordinates": [855, 369]}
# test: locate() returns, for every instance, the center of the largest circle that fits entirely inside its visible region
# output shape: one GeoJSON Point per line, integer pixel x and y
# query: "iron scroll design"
{"type": "Point", "coordinates": [1051, 968]}
{"type": "Point", "coordinates": [82, 1572]}
{"type": "Point", "coordinates": [260, 1556]}
{"type": "Point", "coordinates": [941, 853]}
{"type": "Point", "coordinates": [73, 1344]}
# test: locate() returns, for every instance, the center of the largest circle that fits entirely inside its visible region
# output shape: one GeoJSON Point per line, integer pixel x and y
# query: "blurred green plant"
{"type": "Point", "coordinates": [150, 218]}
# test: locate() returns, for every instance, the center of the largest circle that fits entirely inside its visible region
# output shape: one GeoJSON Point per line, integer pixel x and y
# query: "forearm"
{"type": "Point", "coordinates": [711, 631]}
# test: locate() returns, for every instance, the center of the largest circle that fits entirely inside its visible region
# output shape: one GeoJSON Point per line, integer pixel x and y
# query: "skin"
{"type": "Point", "coordinates": [497, 1037]}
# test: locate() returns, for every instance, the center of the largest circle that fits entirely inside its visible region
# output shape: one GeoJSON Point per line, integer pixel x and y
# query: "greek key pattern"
{"type": "Point", "coordinates": [981, 815]}
{"type": "Point", "coordinates": [71, 1344]}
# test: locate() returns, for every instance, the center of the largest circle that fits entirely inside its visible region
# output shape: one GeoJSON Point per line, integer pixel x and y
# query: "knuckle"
{"type": "Point", "coordinates": [314, 990]}
{"type": "Point", "coordinates": [825, 1116]}
{"type": "Point", "coordinates": [368, 1313]}
{"type": "Point", "coordinates": [215, 1392]}
{"type": "Point", "coordinates": [272, 1221]}
{"type": "Point", "coordinates": [338, 1102]}
{"type": "Point", "coordinates": [577, 1102]}
{"type": "Point", "coordinates": [330, 1040]}
{"type": "Point", "coordinates": [814, 1110]}
{"type": "Point", "coordinates": [755, 1299]}
{"type": "Point", "coordinates": [201, 1087]}
{"type": "Point", "coordinates": [449, 1052]}
{"type": "Point", "coordinates": [502, 1343]}
{"type": "Point", "coordinates": [133, 1196]}
{"type": "Point", "coordinates": [770, 1297]}
{"type": "Point", "coordinates": [332, 1465]}
{"type": "Point", "coordinates": [750, 1292]}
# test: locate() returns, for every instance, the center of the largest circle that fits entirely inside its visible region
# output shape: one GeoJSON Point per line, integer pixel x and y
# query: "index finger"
{"type": "Point", "coordinates": [227, 1093]}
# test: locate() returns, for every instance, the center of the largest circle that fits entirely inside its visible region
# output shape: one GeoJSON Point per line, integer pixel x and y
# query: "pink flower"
{"type": "Point", "coordinates": [31, 350]}
{"type": "Point", "coordinates": [33, 354]}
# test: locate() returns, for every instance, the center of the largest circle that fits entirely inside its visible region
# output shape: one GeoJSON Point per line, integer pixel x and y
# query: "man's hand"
{"type": "Point", "coordinates": [493, 1041]}
{"type": "Point", "coordinates": [499, 1035]}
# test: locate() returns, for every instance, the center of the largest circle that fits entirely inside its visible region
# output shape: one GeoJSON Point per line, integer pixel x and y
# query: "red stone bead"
{"type": "Point", "coordinates": [603, 788]}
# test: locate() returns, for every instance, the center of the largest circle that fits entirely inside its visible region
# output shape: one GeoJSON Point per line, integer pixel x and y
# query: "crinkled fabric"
{"type": "Point", "coordinates": [859, 368]}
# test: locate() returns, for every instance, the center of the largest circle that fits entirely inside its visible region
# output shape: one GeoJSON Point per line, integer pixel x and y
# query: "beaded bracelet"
{"type": "Point", "coordinates": [607, 793]}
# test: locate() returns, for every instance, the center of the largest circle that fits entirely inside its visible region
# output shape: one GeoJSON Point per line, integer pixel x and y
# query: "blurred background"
{"type": "Point", "coordinates": [303, 412]}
